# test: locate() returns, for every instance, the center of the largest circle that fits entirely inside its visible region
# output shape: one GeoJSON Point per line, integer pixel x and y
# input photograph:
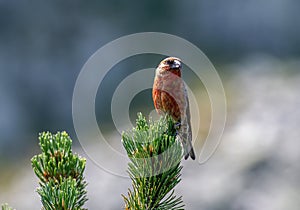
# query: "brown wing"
{"type": "Point", "coordinates": [185, 131]}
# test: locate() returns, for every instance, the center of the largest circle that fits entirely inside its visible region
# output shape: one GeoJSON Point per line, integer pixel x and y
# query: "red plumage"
{"type": "Point", "coordinates": [170, 97]}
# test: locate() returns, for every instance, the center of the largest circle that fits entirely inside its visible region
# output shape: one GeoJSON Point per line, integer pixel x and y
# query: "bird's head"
{"type": "Point", "coordinates": [170, 64]}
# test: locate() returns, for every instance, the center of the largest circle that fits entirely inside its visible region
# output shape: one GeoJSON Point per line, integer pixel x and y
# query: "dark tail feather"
{"type": "Point", "coordinates": [185, 136]}
{"type": "Point", "coordinates": [190, 153]}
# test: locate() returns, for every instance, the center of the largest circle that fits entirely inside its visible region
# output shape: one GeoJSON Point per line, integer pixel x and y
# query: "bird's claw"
{"type": "Point", "coordinates": [177, 125]}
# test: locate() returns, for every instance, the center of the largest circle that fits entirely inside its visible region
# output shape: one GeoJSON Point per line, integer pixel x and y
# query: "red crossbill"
{"type": "Point", "coordinates": [170, 97]}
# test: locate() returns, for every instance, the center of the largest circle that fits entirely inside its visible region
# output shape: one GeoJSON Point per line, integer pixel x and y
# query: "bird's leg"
{"type": "Point", "coordinates": [177, 125]}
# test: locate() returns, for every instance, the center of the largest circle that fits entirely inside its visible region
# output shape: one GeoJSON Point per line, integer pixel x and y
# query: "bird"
{"type": "Point", "coordinates": [170, 97]}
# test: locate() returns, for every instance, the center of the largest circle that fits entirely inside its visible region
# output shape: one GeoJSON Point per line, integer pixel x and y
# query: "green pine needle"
{"type": "Point", "coordinates": [62, 185]}
{"type": "Point", "coordinates": [155, 155]}
{"type": "Point", "coordinates": [6, 207]}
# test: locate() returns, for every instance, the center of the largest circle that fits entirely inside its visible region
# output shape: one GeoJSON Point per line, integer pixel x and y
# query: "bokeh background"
{"type": "Point", "coordinates": [254, 45]}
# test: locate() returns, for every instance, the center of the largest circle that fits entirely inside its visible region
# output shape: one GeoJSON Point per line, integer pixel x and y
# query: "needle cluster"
{"type": "Point", "coordinates": [6, 207]}
{"type": "Point", "coordinates": [60, 171]}
{"type": "Point", "coordinates": [154, 168]}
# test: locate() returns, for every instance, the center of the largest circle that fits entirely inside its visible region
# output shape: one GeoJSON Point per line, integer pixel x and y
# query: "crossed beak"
{"type": "Point", "coordinates": [176, 64]}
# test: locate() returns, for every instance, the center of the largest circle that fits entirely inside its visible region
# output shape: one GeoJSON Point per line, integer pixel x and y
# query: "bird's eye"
{"type": "Point", "coordinates": [170, 62]}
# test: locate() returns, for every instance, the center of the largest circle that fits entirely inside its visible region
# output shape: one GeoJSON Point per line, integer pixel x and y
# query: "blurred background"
{"type": "Point", "coordinates": [254, 45]}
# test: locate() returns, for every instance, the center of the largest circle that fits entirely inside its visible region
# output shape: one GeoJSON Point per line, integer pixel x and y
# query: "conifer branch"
{"type": "Point", "coordinates": [6, 207]}
{"type": "Point", "coordinates": [155, 154]}
{"type": "Point", "coordinates": [62, 185]}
